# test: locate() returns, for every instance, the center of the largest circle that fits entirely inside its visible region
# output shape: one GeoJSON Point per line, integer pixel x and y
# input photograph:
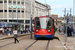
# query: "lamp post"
{"type": "Point", "coordinates": [73, 17]}
{"type": "Point", "coordinates": [12, 15]}
{"type": "Point", "coordinates": [31, 19]}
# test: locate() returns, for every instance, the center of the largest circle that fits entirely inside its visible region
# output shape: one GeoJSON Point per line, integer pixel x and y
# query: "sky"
{"type": "Point", "coordinates": [57, 6]}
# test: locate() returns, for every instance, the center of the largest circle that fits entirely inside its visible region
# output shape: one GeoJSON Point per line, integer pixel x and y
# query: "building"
{"type": "Point", "coordinates": [42, 9]}
{"type": "Point", "coordinates": [20, 11]}
{"type": "Point", "coordinates": [57, 22]}
{"type": "Point", "coordinates": [54, 15]}
{"type": "Point", "coordinates": [16, 9]}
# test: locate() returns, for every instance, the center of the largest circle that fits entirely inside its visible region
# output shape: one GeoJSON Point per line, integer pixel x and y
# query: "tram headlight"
{"type": "Point", "coordinates": [49, 30]}
{"type": "Point", "coordinates": [36, 30]}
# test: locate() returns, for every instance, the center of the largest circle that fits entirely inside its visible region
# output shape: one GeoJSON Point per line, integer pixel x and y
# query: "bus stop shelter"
{"type": "Point", "coordinates": [12, 25]}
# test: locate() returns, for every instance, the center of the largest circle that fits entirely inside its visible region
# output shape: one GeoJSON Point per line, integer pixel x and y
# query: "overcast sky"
{"type": "Point", "coordinates": [57, 6]}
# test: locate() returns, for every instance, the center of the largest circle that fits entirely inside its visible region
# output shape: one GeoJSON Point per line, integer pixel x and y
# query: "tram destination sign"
{"type": "Point", "coordinates": [11, 6]}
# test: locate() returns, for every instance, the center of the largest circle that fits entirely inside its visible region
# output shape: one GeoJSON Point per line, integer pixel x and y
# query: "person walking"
{"type": "Point", "coordinates": [15, 36]}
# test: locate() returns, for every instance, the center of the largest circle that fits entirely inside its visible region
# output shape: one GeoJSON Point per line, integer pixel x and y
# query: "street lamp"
{"type": "Point", "coordinates": [31, 19]}
{"type": "Point", "coordinates": [73, 17]}
{"type": "Point", "coordinates": [73, 13]}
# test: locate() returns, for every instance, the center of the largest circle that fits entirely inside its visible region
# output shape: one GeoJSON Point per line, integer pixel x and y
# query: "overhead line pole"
{"type": "Point", "coordinates": [31, 19]}
{"type": "Point", "coordinates": [12, 15]}
{"type": "Point", "coordinates": [41, 9]}
{"type": "Point", "coordinates": [73, 17]}
{"type": "Point", "coordinates": [46, 8]}
{"type": "Point", "coordinates": [70, 14]}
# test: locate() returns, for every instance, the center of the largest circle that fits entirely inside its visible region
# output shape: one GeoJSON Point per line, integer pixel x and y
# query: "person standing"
{"type": "Point", "coordinates": [15, 36]}
{"type": "Point", "coordinates": [21, 30]}
{"type": "Point", "coordinates": [70, 30]}
{"type": "Point", "coordinates": [10, 30]}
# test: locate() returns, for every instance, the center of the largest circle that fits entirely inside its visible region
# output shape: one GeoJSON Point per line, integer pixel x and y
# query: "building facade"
{"type": "Point", "coordinates": [41, 9]}
{"type": "Point", "coordinates": [13, 10]}
{"type": "Point", "coordinates": [54, 15]}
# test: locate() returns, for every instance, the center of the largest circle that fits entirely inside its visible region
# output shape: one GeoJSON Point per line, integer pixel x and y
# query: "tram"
{"type": "Point", "coordinates": [44, 27]}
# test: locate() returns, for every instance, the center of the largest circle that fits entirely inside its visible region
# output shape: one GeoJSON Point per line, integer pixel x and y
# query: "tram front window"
{"type": "Point", "coordinates": [43, 23]}
{"type": "Point", "coordinates": [37, 23]}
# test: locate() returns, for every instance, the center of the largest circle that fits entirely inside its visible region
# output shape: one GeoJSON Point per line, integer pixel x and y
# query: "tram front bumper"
{"type": "Point", "coordinates": [47, 36]}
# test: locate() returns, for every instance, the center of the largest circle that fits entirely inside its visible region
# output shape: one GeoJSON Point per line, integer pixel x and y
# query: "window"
{"type": "Point", "coordinates": [1, 1]}
{"type": "Point", "coordinates": [5, 10]}
{"type": "Point", "coordinates": [56, 23]}
{"type": "Point", "coordinates": [14, 10]}
{"type": "Point", "coordinates": [22, 2]}
{"type": "Point", "coordinates": [14, 2]}
{"type": "Point", "coordinates": [9, 1]}
{"type": "Point", "coordinates": [27, 21]}
{"type": "Point", "coordinates": [18, 2]}
{"type": "Point", "coordinates": [5, 1]}
{"type": "Point", "coordinates": [1, 10]}
{"type": "Point", "coordinates": [19, 11]}
{"type": "Point", "coordinates": [10, 10]}
{"type": "Point", "coordinates": [22, 11]}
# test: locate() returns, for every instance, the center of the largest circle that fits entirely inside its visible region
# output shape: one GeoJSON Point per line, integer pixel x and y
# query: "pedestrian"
{"type": "Point", "coordinates": [68, 31]}
{"type": "Point", "coordinates": [2, 31]}
{"type": "Point", "coordinates": [7, 32]}
{"type": "Point", "coordinates": [10, 30]}
{"type": "Point", "coordinates": [15, 36]}
{"type": "Point", "coordinates": [71, 29]}
{"type": "Point", "coordinates": [29, 29]}
{"type": "Point", "coordinates": [21, 30]}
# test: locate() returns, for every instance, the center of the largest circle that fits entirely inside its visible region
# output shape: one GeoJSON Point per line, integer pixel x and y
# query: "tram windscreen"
{"type": "Point", "coordinates": [43, 23]}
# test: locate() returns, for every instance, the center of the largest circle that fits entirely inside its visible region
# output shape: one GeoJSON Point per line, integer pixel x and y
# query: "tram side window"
{"type": "Point", "coordinates": [37, 23]}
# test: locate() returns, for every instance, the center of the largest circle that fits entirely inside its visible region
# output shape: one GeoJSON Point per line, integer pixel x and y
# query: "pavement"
{"type": "Point", "coordinates": [70, 41]}
{"type": "Point", "coordinates": [2, 37]}
{"type": "Point", "coordinates": [68, 45]}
